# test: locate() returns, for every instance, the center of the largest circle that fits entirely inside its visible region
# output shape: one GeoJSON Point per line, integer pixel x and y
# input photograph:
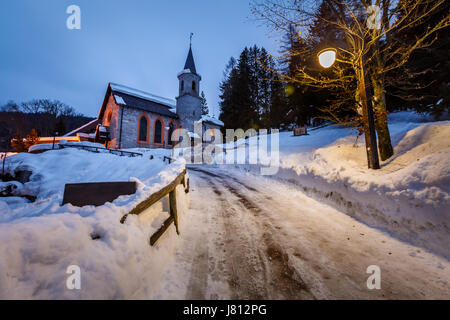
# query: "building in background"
{"type": "Point", "coordinates": [133, 118]}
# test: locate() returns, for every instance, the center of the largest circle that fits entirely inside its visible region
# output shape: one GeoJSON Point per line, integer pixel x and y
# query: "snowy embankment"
{"type": "Point", "coordinates": [39, 240]}
{"type": "Point", "coordinates": [408, 197]}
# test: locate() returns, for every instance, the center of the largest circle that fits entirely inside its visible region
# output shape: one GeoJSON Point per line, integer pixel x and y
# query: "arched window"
{"type": "Point", "coordinates": [108, 118]}
{"type": "Point", "coordinates": [194, 86]}
{"type": "Point", "coordinates": [169, 134]}
{"type": "Point", "coordinates": [182, 85]}
{"type": "Point", "coordinates": [143, 129]}
{"type": "Point", "coordinates": [158, 134]}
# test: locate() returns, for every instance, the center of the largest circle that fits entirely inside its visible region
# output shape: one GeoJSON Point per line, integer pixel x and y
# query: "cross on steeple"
{"type": "Point", "coordinates": [190, 39]}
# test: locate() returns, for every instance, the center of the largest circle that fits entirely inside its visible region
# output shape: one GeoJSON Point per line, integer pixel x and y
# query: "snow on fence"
{"type": "Point", "coordinates": [99, 149]}
{"type": "Point", "coordinates": [170, 190]}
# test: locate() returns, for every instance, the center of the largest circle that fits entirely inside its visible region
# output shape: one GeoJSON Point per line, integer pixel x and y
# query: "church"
{"type": "Point", "coordinates": [133, 118]}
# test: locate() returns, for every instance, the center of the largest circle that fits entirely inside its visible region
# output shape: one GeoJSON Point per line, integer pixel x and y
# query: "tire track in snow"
{"type": "Point", "coordinates": [265, 273]}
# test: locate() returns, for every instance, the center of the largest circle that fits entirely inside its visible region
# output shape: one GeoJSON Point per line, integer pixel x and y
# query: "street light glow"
{"type": "Point", "coordinates": [327, 57]}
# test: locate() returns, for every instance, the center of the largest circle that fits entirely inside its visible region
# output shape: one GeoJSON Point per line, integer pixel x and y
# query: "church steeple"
{"type": "Point", "coordinates": [190, 61]}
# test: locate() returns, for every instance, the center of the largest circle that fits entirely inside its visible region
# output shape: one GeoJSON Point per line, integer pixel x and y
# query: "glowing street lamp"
{"type": "Point", "coordinates": [327, 57]}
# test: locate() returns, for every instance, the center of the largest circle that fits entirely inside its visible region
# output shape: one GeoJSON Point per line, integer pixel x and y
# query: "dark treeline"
{"type": "Point", "coordinates": [252, 95]}
{"type": "Point", "coordinates": [423, 83]}
{"type": "Point", "coordinates": [45, 116]}
{"type": "Point", "coordinates": [259, 91]}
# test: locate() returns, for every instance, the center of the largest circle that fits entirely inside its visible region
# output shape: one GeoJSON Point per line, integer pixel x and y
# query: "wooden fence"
{"type": "Point", "coordinates": [117, 152]}
{"type": "Point", "coordinates": [170, 190]}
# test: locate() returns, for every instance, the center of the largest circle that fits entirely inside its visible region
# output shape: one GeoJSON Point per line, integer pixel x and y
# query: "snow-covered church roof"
{"type": "Point", "coordinates": [144, 95]}
{"type": "Point", "coordinates": [211, 120]}
{"type": "Point", "coordinates": [142, 100]}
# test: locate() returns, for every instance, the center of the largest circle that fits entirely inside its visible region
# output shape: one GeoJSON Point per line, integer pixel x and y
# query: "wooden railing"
{"type": "Point", "coordinates": [170, 190]}
{"type": "Point", "coordinates": [168, 159]}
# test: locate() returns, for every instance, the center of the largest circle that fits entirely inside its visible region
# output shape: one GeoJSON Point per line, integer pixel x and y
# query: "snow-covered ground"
{"type": "Point", "coordinates": [408, 196]}
{"type": "Point", "coordinates": [258, 238]}
{"type": "Point", "coordinates": [243, 236]}
{"type": "Point", "coordinates": [39, 240]}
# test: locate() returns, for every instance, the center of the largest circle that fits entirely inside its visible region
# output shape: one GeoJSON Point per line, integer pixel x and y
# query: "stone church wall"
{"type": "Point", "coordinates": [130, 128]}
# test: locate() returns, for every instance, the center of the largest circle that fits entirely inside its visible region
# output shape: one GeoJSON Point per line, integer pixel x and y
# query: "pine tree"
{"type": "Point", "coordinates": [252, 95]}
{"type": "Point", "coordinates": [422, 83]}
{"type": "Point", "coordinates": [205, 109]}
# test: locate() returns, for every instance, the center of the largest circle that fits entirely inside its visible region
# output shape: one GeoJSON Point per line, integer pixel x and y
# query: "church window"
{"type": "Point", "coordinates": [157, 139]}
{"type": "Point", "coordinates": [108, 119]}
{"type": "Point", "coordinates": [182, 85]}
{"type": "Point", "coordinates": [194, 86]}
{"type": "Point", "coordinates": [143, 129]}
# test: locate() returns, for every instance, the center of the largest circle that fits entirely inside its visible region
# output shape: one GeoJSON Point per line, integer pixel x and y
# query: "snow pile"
{"type": "Point", "coordinates": [36, 148]}
{"type": "Point", "coordinates": [43, 147]}
{"type": "Point", "coordinates": [408, 196]}
{"type": "Point", "coordinates": [40, 240]}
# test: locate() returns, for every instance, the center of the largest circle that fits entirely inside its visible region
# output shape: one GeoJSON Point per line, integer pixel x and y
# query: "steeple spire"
{"type": "Point", "coordinates": [190, 60]}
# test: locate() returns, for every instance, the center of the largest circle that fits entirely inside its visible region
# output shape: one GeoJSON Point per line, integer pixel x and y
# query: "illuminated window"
{"type": "Point", "coordinates": [108, 118]}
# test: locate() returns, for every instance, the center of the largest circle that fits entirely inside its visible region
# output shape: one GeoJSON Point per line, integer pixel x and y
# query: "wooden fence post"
{"type": "Point", "coordinates": [173, 207]}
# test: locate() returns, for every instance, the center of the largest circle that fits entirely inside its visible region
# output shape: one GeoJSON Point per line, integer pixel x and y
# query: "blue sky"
{"type": "Point", "coordinates": [139, 43]}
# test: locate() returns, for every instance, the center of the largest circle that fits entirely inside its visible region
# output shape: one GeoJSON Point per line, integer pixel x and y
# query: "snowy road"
{"type": "Point", "coordinates": [249, 237]}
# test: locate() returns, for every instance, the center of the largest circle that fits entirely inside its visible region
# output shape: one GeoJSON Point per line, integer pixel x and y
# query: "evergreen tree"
{"type": "Point", "coordinates": [422, 83]}
{"type": "Point", "coordinates": [205, 109]}
{"type": "Point", "coordinates": [252, 95]}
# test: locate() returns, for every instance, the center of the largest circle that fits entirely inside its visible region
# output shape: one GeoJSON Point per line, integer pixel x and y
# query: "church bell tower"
{"type": "Point", "coordinates": [189, 105]}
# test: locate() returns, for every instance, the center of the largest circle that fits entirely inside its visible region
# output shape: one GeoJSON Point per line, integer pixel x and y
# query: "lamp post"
{"type": "Point", "coordinates": [54, 138]}
{"type": "Point", "coordinates": [327, 57]}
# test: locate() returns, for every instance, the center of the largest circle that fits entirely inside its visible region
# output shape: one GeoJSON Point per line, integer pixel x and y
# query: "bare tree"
{"type": "Point", "coordinates": [368, 37]}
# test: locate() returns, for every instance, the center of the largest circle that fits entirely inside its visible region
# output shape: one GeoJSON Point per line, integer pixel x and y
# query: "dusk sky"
{"type": "Point", "coordinates": [142, 44]}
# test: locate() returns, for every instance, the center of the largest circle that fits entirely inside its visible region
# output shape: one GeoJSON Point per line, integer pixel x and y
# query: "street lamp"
{"type": "Point", "coordinates": [327, 57]}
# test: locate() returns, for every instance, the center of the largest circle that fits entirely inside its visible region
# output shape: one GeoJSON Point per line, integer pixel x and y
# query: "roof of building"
{"type": "Point", "coordinates": [190, 62]}
{"type": "Point", "coordinates": [211, 120]}
{"type": "Point", "coordinates": [143, 95]}
{"type": "Point", "coordinates": [139, 99]}
{"type": "Point", "coordinates": [85, 128]}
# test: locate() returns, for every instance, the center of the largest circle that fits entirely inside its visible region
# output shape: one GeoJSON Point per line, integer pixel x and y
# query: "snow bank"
{"type": "Point", "coordinates": [408, 196]}
{"type": "Point", "coordinates": [38, 241]}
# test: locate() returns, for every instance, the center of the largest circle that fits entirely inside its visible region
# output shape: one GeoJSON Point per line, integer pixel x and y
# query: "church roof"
{"type": "Point", "coordinates": [190, 62]}
{"type": "Point", "coordinates": [144, 95]}
{"type": "Point", "coordinates": [139, 99]}
{"type": "Point", "coordinates": [211, 120]}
